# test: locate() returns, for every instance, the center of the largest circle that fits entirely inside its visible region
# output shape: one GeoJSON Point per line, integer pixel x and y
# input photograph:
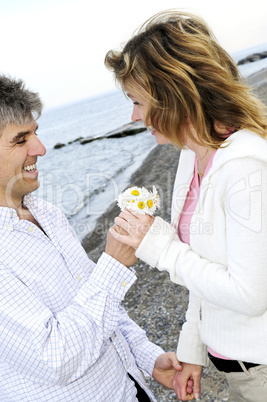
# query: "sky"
{"type": "Point", "coordinates": [58, 46]}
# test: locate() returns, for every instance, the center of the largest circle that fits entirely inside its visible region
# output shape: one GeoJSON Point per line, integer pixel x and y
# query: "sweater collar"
{"type": "Point", "coordinates": [243, 143]}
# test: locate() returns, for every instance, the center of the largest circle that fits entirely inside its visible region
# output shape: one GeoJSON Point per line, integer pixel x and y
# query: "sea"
{"type": "Point", "coordinates": [83, 180]}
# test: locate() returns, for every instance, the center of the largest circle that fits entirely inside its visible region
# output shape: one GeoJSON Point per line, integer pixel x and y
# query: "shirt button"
{"type": "Point", "coordinates": [30, 228]}
{"type": "Point", "coordinates": [79, 277]}
{"type": "Point", "coordinates": [123, 284]}
{"type": "Point", "coordinates": [9, 227]}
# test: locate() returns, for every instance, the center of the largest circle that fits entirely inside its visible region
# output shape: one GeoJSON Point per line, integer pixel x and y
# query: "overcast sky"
{"type": "Point", "coordinates": [58, 46]}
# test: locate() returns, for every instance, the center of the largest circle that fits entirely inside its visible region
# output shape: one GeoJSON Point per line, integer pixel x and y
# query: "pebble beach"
{"type": "Point", "coordinates": [154, 302]}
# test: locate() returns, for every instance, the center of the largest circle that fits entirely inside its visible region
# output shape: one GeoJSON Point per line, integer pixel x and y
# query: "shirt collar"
{"type": "Point", "coordinates": [9, 216]}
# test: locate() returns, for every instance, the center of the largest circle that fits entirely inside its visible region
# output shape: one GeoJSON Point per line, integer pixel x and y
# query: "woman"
{"type": "Point", "coordinates": [188, 90]}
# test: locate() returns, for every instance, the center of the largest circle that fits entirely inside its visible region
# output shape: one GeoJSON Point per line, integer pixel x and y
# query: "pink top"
{"type": "Point", "coordinates": [188, 211]}
{"type": "Point", "coordinates": [191, 202]}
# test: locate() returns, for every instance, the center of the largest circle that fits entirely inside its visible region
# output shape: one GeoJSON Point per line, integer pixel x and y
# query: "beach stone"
{"type": "Point", "coordinates": [135, 127]}
{"type": "Point", "coordinates": [253, 57]}
{"type": "Point", "coordinates": [59, 145]}
{"type": "Point", "coordinates": [123, 131]}
{"type": "Point", "coordinates": [86, 140]}
{"type": "Point", "coordinates": [76, 140]}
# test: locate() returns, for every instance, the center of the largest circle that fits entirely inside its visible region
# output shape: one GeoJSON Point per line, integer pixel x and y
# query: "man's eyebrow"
{"type": "Point", "coordinates": [21, 134]}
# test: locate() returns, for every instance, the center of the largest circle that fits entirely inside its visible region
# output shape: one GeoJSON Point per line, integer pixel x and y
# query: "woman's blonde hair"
{"type": "Point", "coordinates": [176, 62]}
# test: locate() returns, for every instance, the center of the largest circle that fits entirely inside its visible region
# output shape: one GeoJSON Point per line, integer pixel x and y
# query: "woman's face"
{"type": "Point", "coordinates": [140, 106]}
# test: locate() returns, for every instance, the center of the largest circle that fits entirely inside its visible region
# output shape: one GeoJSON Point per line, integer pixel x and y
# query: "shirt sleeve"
{"type": "Point", "coordinates": [144, 351]}
{"type": "Point", "coordinates": [56, 349]}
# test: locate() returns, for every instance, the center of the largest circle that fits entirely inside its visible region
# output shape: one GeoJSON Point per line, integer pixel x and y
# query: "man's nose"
{"type": "Point", "coordinates": [36, 147]}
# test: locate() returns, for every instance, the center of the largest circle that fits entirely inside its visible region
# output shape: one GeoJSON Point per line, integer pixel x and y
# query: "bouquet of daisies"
{"type": "Point", "coordinates": [139, 200]}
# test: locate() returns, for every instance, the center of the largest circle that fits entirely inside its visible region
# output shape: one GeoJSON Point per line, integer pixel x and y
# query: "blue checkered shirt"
{"type": "Point", "coordinates": [63, 334]}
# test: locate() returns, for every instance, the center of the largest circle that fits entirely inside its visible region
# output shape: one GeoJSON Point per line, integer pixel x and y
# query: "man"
{"type": "Point", "coordinates": [63, 334]}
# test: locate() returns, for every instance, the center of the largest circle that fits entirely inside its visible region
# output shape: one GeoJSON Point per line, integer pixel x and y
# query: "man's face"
{"type": "Point", "coordinates": [19, 149]}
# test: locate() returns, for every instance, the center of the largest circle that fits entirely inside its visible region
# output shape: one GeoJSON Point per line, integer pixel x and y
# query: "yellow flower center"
{"type": "Point", "coordinates": [141, 205]}
{"type": "Point", "coordinates": [135, 192]}
{"type": "Point", "coordinates": [149, 203]}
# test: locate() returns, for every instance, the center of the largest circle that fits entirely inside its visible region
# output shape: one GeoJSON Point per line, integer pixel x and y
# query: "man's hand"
{"type": "Point", "coordinates": [121, 252]}
{"type": "Point", "coordinates": [187, 382]}
{"type": "Point", "coordinates": [166, 366]}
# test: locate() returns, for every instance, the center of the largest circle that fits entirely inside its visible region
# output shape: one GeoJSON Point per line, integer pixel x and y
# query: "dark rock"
{"type": "Point", "coordinates": [127, 129]}
{"type": "Point", "coordinates": [86, 140]}
{"type": "Point", "coordinates": [77, 139]}
{"type": "Point", "coordinates": [253, 57]}
{"type": "Point", "coordinates": [59, 145]}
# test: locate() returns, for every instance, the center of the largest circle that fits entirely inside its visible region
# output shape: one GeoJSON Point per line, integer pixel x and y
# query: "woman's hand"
{"type": "Point", "coordinates": [165, 369]}
{"type": "Point", "coordinates": [186, 383]}
{"type": "Point", "coordinates": [136, 226]}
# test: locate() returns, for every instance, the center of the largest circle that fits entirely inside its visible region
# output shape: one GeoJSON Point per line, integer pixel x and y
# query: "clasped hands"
{"type": "Point", "coordinates": [134, 226]}
{"type": "Point", "coordinates": [183, 378]}
{"type": "Point", "coordinates": [125, 235]}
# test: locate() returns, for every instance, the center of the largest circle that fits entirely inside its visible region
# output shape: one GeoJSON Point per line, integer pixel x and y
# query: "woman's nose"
{"type": "Point", "coordinates": [136, 114]}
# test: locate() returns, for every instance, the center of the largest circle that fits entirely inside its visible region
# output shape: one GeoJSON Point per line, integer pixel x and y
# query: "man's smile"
{"type": "Point", "coordinates": [30, 168]}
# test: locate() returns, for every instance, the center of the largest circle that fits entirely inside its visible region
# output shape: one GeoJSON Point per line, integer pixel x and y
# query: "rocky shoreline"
{"type": "Point", "coordinates": [131, 128]}
{"type": "Point", "coordinates": [154, 302]}
{"type": "Point", "coordinates": [252, 57]}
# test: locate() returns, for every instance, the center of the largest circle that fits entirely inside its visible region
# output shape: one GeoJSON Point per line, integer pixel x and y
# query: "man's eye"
{"type": "Point", "coordinates": [22, 141]}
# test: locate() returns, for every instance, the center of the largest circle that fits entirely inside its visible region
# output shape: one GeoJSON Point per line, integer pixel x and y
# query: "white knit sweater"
{"type": "Point", "coordinates": [225, 266]}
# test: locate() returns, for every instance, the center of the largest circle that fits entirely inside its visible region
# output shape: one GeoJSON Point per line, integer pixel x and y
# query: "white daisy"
{"type": "Point", "coordinates": [139, 200]}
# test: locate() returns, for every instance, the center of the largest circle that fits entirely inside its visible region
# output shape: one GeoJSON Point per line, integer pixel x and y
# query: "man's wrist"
{"type": "Point", "coordinates": [110, 274]}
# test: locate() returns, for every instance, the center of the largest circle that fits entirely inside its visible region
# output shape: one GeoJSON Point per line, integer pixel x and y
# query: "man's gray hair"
{"type": "Point", "coordinates": [17, 104]}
